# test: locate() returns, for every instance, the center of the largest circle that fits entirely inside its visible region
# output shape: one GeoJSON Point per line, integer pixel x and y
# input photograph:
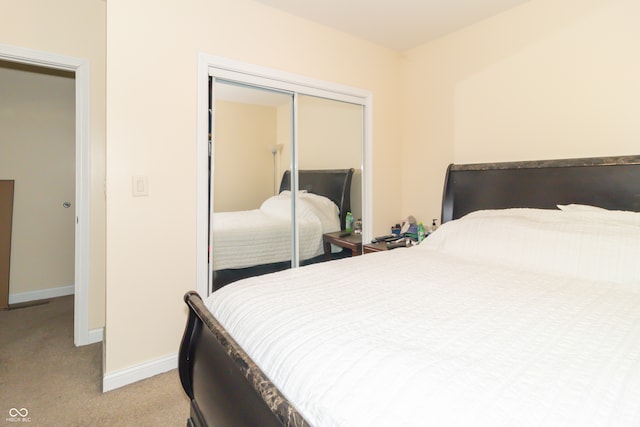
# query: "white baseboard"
{"type": "Point", "coordinates": [139, 372]}
{"type": "Point", "coordinates": [95, 335]}
{"type": "Point", "coordinates": [41, 294]}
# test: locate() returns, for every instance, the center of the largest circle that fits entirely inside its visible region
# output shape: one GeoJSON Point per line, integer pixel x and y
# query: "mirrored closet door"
{"type": "Point", "coordinates": [286, 164]}
{"type": "Point", "coordinates": [330, 136]}
{"type": "Point", "coordinates": [251, 222]}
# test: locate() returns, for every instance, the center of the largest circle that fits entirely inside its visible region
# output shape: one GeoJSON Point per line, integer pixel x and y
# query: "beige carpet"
{"type": "Point", "coordinates": [61, 385]}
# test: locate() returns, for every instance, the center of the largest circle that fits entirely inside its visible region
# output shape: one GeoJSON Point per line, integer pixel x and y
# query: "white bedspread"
{"type": "Point", "coordinates": [262, 236]}
{"type": "Point", "coordinates": [420, 337]}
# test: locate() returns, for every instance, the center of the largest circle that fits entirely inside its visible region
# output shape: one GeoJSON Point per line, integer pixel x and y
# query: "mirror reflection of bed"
{"type": "Point", "coordinates": [252, 143]}
{"type": "Point", "coordinates": [258, 241]}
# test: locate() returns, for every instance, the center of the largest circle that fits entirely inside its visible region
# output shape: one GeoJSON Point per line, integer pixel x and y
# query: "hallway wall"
{"type": "Point", "coordinates": [37, 150]}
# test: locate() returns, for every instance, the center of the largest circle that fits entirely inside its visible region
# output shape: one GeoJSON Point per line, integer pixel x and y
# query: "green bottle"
{"type": "Point", "coordinates": [421, 232]}
{"type": "Point", "coordinates": [348, 222]}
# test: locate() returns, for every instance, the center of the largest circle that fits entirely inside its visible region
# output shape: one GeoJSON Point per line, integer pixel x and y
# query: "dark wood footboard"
{"type": "Point", "coordinates": [225, 387]}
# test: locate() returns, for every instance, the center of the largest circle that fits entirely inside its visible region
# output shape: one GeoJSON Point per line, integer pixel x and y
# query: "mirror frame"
{"type": "Point", "coordinates": [223, 68]}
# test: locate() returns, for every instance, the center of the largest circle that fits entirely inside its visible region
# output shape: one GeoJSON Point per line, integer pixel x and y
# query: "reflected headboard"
{"type": "Point", "coordinates": [335, 184]}
{"type": "Point", "coordinates": [608, 182]}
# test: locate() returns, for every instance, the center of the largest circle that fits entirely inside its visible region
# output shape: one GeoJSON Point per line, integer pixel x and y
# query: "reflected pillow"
{"type": "Point", "coordinates": [311, 207]}
{"type": "Point", "coordinates": [322, 208]}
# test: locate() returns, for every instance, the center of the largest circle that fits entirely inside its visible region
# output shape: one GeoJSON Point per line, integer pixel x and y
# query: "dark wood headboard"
{"type": "Point", "coordinates": [608, 182]}
{"type": "Point", "coordinates": [335, 184]}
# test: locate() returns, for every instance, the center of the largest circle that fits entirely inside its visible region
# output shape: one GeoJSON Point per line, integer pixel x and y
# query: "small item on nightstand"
{"type": "Point", "coordinates": [357, 226]}
{"type": "Point", "coordinates": [409, 225]}
{"type": "Point", "coordinates": [398, 244]}
{"type": "Point", "coordinates": [348, 222]}
{"type": "Point", "coordinates": [433, 226]}
{"type": "Point", "coordinates": [421, 233]}
{"type": "Point", "coordinates": [345, 234]}
{"type": "Point", "coordinates": [385, 238]}
{"type": "Point", "coordinates": [395, 229]}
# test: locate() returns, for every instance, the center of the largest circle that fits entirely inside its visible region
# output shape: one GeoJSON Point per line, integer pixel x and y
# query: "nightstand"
{"type": "Point", "coordinates": [374, 247]}
{"type": "Point", "coordinates": [352, 242]}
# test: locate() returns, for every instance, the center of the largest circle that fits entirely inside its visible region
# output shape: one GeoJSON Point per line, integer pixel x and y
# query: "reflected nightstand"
{"type": "Point", "coordinates": [352, 242]}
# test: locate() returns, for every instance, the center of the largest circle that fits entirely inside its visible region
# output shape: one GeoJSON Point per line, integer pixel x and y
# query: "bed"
{"type": "Point", "coordinates": [521, 309]}
{"type": "Point", "coordinates": [258, 241]}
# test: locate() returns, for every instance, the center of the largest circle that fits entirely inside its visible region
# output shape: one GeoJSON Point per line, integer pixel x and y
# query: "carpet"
{"type": "Point", "coordinates": [57, 384]}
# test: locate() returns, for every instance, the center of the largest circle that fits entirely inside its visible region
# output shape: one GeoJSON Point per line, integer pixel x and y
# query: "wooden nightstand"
{"type": "Point", "coordinates": [374, 247]}
{"type": "Point", "coordinates": [352, 242]}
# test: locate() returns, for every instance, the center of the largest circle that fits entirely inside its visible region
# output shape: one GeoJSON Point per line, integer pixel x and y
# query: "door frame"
{"type": "Point", "coordinates": [268, 77]}
{"type": "Point", "coordinates": [80, 67]}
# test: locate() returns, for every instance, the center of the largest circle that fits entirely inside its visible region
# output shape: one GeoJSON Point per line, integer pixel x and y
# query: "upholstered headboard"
{"type": "Point", "coordinates": [608, 182]}
{"type": "Point", "coordinates": [335, 184]}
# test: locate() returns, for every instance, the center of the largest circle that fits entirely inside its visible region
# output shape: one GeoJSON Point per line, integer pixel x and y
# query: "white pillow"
{"type": "Point", "coordinates": [279, 205]}
{"type": "Point", "coordinates": [311, 207]}
{"type": "Point", "coordinates": [595, 213]}
{"type": "Point", "coordinates": [548, 241]}
{"type": "Point", "coordinates": [322, 208]}
{"type": "Point", "coordinates": [574, 207]}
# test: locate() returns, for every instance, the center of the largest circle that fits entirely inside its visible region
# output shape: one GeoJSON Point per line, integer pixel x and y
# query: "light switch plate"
{"type": "Point", "coordinates": [140, 186]}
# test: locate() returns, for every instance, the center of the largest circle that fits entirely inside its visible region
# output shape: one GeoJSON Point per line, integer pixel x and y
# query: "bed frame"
{"type": "Point", "coordinates": [608, 182]}
{"type": "Point", "coordinates": [334, 184]}
{"type": "Point", "coordinates": [226, 387]}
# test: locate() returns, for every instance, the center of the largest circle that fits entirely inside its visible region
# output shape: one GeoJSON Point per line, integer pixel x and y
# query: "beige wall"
{"type": "Point", "coordinates": [551, 78]}
{"type": "Point", "coordinates": [243, 169]}
{"type": "Point", "coordinates": [548, 79]}
{"type": "Point", "coordinates": [37, 150]}
{"type": "Point", "coordinates": [283, 158]}
{"type": "Point", "coordinates": [75, 28]}
{"type": "Point", "coordinates": [151, 106]}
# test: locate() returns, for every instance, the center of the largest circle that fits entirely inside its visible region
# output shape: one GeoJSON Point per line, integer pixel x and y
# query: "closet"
{"type": "Point", "coordinates": [262, 124]}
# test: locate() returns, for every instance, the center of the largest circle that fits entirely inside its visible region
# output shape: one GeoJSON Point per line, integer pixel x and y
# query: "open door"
{"type": "Point", "coordinates": [6, 220]}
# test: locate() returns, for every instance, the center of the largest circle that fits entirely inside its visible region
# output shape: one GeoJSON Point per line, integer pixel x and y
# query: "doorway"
{"type": "Point", "coordinates": [37, 145]}
{"type": "Point", "coordinates": [79, 68]}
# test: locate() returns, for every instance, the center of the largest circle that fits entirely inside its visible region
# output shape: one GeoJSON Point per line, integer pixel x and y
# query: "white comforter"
{"type": "Point", "coordinates": [427, 337]}
{"type": "Point", "coordinates": [262, 236]}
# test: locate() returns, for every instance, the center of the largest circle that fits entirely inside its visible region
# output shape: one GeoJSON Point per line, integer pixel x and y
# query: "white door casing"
{"type": "Point", "coordinates": [251, 74]}
{"type": "Point", "coordinates": [80, 67]}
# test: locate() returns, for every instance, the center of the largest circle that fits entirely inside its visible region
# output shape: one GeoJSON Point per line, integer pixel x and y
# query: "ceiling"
{"type": "Point", "coordinates": [397, 24]}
